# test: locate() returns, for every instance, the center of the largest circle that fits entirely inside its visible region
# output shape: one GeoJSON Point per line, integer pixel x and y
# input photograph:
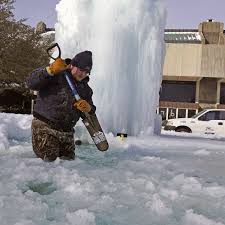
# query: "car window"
{"type": "Point", "coordinates": [212, 115]}
{"type": "Point", "coordinates": [221, 115]}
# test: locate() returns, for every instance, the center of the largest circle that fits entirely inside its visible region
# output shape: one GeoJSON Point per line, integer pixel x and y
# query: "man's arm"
{"type": "Point", "coordinates": [38, 79]}
{"type": "Point", "coordinates": [42, 76]}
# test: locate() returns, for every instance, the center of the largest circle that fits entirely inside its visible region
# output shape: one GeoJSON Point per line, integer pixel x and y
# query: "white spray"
{"type": "Point", "coordinates": [126, 38]}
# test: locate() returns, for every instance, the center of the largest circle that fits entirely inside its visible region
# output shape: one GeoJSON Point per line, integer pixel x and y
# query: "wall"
{"type": "Point", "coordinates": [208, 90]}
{"type": "Point", "coordinates": [213, 61]}
{"type": "Point", "coordinates": [182, 60]}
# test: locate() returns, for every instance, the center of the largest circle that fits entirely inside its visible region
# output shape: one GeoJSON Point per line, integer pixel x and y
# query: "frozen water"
{"type": "Point", "coordinates": [126, 38]}
{"type": "Point", "coordinates": [202, 152]}
{"type": "Point", "coordinates": [145, 180]}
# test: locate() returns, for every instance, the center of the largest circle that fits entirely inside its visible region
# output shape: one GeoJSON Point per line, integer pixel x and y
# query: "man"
{"type": "Point", "coordinates": [56, 112]}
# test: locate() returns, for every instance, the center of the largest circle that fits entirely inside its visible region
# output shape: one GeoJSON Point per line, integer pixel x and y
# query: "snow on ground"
{"type": "Point", "coordinates": [170, 180]}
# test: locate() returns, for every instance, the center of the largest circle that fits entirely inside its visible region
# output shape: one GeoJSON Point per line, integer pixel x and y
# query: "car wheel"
{"type": "Point", "coordinates": [183, 129]}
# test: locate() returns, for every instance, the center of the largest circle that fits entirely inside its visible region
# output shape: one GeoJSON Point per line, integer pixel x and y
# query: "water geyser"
{"type": "Point", "coordinates": [126, 38]}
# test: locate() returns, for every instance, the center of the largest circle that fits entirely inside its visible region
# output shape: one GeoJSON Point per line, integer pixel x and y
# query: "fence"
{"type": "Point", "coordinates": [174, 110]}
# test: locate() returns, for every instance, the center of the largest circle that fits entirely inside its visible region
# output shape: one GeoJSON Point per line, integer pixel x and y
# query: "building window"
{"type": "Point", "coordinates": [177, 91]}
{"type": "Point", "coordinates": [222, 94]}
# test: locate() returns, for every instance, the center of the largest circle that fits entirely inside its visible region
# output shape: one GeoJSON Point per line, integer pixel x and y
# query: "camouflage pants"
{"type": "Point", "coordinates": [48, 144]}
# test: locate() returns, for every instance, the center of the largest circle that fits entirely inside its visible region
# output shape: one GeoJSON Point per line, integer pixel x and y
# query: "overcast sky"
{"type": "Point", "coordinates": [181, 13]}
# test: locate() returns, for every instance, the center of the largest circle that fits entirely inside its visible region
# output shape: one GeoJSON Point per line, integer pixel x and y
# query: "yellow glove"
{"type": "Point", "coordinates": [56, 67]}
{"type": "Point", "coordinates": [83, 105]}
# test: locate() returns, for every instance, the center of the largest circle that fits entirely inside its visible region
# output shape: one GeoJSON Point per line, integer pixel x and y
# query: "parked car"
{"type": "Point", "coordinates": [208, 121]}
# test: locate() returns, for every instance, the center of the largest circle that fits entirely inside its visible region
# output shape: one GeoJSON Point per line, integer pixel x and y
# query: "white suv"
{"type": "Point", "coordinates": [208, 121]}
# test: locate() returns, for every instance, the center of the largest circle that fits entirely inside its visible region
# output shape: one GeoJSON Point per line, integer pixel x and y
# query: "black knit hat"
{"type": "Point", "coordinates": [83, 60]}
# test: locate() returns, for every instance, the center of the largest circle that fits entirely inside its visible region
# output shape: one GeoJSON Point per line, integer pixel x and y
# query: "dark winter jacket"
{"type": "Point", "coordinates": [55, 101]}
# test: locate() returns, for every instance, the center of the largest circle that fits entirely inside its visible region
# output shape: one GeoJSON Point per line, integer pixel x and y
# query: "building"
{"type": "Point", "coordinates": [194, 70]}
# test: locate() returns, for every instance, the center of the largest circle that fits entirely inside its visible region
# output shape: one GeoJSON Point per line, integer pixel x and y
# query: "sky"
{"type": "Point", "coordinates": [181, 14]}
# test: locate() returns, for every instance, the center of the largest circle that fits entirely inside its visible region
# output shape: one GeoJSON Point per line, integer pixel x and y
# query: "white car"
{"type": "Point", "coordinates": [208, 121]}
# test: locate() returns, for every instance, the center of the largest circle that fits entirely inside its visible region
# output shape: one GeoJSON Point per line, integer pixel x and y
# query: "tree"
{"type": "Point", "coordinates": [21, 49]}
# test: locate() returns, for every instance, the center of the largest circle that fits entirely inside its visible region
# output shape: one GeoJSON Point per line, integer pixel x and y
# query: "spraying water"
{"type": "Point", "coordinates": [126, 38]}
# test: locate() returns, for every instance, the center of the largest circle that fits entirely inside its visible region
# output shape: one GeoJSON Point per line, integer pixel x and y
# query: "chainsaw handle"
{"type": "Point", "coordinates": [51, 47]}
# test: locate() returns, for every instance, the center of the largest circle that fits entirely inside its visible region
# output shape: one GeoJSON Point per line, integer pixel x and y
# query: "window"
{"type": "Point", "coordinates": [212, 115]}
{"type": "Point", "coordinates": [177, 91]}
{"type": "Point", "coordinates": [222, 94]}
{"type": "Point", "coordinates": [221, 115]}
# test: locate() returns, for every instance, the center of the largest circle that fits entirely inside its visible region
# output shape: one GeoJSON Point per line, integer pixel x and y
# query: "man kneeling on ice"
{"type": "Point", "coordinates": [55, 111]}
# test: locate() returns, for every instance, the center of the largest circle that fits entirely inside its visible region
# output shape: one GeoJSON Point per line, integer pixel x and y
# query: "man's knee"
{"type": "Point", "coordinates": [67, 147]}
{"type": "Point", "coordinates": [50, 158]}
{"type": "Point", "coordinates": [45, 141]}
{"type": "Point", "coordinates": [46, 155]}
{"type": "Point", "coordinates": [67, 155]}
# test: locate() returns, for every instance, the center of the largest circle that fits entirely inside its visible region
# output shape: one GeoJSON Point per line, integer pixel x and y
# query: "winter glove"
{"type": "Point", "coordinates": [83, 105]}
{"type": "Point", "coordinates": [57, 66]}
